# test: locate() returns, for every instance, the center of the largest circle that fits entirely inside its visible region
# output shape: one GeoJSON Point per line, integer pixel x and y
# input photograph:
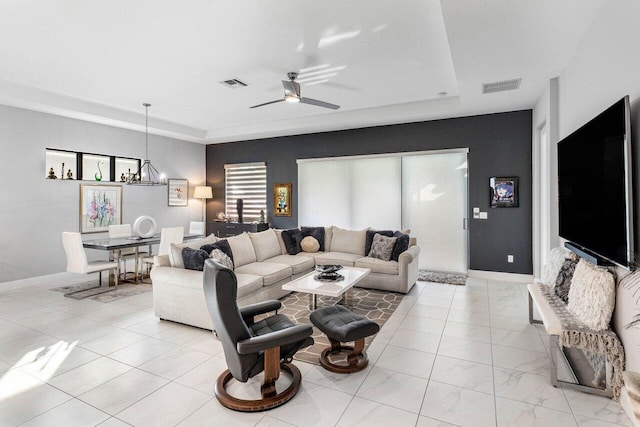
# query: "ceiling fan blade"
{"type": "Point", "coordinates": [267, 103]}
{"type": "Point", "coordinates": [291, 87]}
{"type": "Point", "coordinates": [318, 103]}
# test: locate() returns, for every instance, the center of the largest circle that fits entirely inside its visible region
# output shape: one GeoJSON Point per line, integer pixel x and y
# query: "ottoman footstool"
{"type": "Point", "coordinates": [341, 325]}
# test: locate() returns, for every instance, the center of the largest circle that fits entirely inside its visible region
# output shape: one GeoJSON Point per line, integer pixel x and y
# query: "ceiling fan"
{"type": "Point", "coordinates": [292, 94]}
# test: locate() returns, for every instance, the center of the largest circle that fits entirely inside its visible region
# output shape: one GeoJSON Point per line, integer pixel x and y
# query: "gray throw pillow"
{"type": "Point", "coordinates": [563, 280]}
{"type": "Point", "coordinates": [382, 246]}
{"type": "Point", "coordinates": [194, 258]}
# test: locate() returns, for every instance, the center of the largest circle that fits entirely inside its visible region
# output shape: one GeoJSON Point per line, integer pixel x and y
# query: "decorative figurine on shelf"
{"type": "Point", "coordinates": [123, 178]}
{"type": "Point", "coordinates": [52, 174]}
{"type": "Point", "coordinates": [62, 171]}
{"type": "Point", "coordinates": [69, 174]}
{"type": "Point", "coordinates": [262, 219]}
{"type": "Point", "coordinates": [98, 175]}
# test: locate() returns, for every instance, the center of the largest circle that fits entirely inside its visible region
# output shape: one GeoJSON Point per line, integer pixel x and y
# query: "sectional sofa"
{"type": "Point", "coordinates": [262, 264]}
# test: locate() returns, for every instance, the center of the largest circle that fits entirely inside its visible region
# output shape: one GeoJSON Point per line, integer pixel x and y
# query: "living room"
{"type": "Point", "coordinates": [584, 59]}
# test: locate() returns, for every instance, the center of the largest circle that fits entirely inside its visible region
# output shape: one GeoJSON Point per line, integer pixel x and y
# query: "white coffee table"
{"type": "Point", "coordinates": [313, 287]}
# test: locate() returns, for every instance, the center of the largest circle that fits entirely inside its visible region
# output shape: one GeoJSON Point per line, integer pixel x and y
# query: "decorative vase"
{"type": "Point", "coordinates": [98, 175]}
{"type": "Point", "coordinates": [239, 207]}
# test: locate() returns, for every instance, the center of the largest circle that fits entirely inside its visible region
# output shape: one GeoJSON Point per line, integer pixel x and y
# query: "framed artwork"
{"type": "Point", "coordinates": [100, 207]}
{"type": "Point", "coordinates": [282, 199]}
{"type": "Point", "coordinates": [504, 192]}
{"type": "Point", "coordinates": [178, 192]}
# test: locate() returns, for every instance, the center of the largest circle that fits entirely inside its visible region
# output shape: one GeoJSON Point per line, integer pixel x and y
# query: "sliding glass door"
{"type": "Point", "coordinates": [434, 207]}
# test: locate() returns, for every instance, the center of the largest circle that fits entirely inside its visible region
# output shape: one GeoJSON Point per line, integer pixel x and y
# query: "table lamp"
{"type": "Point", "coordinates": [203, 192]}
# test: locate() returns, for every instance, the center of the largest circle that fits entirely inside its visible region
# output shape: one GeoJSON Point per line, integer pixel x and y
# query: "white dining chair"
{"type": "Point", "coordinates": [77, 260]}
{"type": "Point", "coordinates": [196, 228]}
{"type": "Point", "coordinates": [168, 235]}
{"type": "Point", "coordinates": [124, 231]}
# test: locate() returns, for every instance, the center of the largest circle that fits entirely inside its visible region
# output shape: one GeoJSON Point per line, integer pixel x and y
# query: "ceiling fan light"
{"type": "Point", "coordinates": [291, 98]}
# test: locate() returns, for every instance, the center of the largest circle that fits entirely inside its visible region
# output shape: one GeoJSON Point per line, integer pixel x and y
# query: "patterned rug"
{"type": "Point", "coordinates": [440, 277]}
{"type": "Point", "coordinates": [98, 294]}
{"type": "Point", "coordinates": [374, 305]}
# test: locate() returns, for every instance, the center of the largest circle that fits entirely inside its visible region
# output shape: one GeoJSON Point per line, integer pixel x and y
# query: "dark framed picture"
{"type": "Point", "coordinates": [504, 192]}
{"type": "Point", "coordinates": [282, 199]}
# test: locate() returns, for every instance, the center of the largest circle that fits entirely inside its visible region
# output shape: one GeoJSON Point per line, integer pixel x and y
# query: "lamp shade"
{"type": "Point", "coordinates": [203, 192]}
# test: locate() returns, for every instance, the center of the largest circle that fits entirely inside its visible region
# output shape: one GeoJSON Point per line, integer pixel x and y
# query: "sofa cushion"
{"type": "Point", "coordinates": [402, 244]}
{"type": "Point", "coordinates": [175, 249]}
{"type": "Point", "coordinates": [298, 264]}
{"type": "Point", "coordinates": [283, 248]}
{"type": "Point", "coordinates": [271, 272]}
{"type": "Point", "coordinates": [265, 244]}
{"type": "Point", "coordinates": [222, 245]}
{"type": "Point", "coordinates": [378, 265]}
{"type": "Point", "coordinates": [194, 259]}
{"type": "Point", "coordinates": [309, 244]}
{"type": "Point", "coordinates": [348, 241]}
{"type": "Point", "coordinates": [338, 258]}
{"type": "Point", "coordinates": [248, 284]}
{"type": "Point", "coordinates": [242, 250]}
{"type": "Point", "coordinates": [382, 246]}
{"type": "Point", "coordinates": [292, 239]}
{"type": "Point", "coordinates": [315, 232]}
{"type": "Point", "coordinates": [592, 295]}
{"type": "Point", "coordinates": [369, 240]}
{"type": "Point", "coordinates": [328, 235]}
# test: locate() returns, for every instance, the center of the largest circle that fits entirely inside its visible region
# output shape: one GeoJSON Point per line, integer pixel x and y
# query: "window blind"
{"type": "Point", "coordinates": [246, 181]}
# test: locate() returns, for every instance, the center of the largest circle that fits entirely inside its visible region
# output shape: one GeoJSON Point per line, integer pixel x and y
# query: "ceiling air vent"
{"type": "Point", "coordinates": [233, 83]}
{"type": "Point", "coordinates": [512, 84]}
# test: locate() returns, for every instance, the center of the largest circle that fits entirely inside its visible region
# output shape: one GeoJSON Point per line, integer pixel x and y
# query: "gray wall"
{"type": "Point", "coordinates": [34, 211]}
{"type": "Point", "coordinates": [499, 145]}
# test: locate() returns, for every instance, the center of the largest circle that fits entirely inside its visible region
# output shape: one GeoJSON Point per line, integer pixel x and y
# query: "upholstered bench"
{"type": "Point", "coordinates": [341, 325]}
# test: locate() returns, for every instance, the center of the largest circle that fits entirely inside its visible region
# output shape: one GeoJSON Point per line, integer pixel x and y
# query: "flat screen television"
{"type": "Point", "coordinates": [594, 186]}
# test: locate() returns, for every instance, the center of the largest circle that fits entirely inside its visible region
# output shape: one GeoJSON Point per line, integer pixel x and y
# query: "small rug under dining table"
{"type": "Point", "coordinates": [375, 305]}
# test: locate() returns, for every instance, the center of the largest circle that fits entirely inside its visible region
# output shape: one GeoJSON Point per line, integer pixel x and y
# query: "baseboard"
{"type": "Point", "coordinates": [500, 276]}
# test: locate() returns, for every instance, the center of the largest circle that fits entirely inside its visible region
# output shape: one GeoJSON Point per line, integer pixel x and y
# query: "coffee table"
{"type": "Point", "coordinates": [313, 287]}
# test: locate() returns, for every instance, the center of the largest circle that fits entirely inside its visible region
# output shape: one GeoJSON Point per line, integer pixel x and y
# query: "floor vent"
{"type": "Point", "coordinates": [233, 83]}
{"type": "Point", "coordinates": [512, 84]}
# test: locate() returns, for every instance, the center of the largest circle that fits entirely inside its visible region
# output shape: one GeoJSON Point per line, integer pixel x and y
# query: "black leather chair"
{"type": "Point", "coordinates": [252, 347]}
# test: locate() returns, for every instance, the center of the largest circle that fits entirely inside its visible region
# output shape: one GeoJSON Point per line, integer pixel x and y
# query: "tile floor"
{"type": "Point", "coordinates": [450, 355]}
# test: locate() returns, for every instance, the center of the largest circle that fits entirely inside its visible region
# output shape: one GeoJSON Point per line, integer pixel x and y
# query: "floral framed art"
{"type": "Point", "coordinates": [504, 192]}
{"type": "Point", "coordinates": [282, 199]}
{"type": "Point", "coordinates": [100, 207]}
{"type": "Point", "coordinates": [178, 192]}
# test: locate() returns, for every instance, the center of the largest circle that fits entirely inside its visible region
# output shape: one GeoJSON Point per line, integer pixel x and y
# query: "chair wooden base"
{"type": "Point", "coordinates": [270, 398]}
{"type": "Point", "coordinates": [357, 359]}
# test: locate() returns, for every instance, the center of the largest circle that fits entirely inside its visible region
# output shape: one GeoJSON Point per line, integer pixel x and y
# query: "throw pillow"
{"type": "Point", "coordinates": [221, 258]}
{"type": "Point", "coordinates": [315, 232]}
{"type": "Point", "coordinates": [309, 244]}
{"type": "Point", "coordinates": [402, 244]}
{"type": "Point", "coordinates": [370, 234]}
{"type": "Point", "coordinates": [563, 281]}
{"type": "Point", "coordinates": [194, 258]}
{"type": "Point", "coordinates": [175, 249]}
{"type": "Point", "coordinates": [382, 246]}
{"type": "Point", "coordinates": [592, 295]}
{"type": "Point", "coordinates": [554, 262]}
{"type": "Point", "coordinates": [292, 239]}
{"type": "Point", "coordinates": [222, 245]}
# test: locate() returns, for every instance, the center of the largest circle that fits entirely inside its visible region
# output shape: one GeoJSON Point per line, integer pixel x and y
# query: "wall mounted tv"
{"type": "Point", "coordinates": [594, 187]}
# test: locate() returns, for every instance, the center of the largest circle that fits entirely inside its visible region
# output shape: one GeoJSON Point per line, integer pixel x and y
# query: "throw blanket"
{"type": "Point", "coordinates": [595, 344]}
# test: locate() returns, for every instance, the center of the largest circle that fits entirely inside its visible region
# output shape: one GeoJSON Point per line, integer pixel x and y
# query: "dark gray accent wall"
{"type": "Point", "coordinates": [499, 145]}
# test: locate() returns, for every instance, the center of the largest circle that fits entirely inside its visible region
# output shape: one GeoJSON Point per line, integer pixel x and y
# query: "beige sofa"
{"type": "Point", "coordinates": [262, 265]}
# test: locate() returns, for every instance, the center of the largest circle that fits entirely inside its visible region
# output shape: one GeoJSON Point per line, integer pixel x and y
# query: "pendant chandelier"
{"type": "Point", "coordinates": [147, 174]}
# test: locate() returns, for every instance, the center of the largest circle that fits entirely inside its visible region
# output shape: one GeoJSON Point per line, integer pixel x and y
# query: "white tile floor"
{"type": "Point", "coordinates": [450, 355]}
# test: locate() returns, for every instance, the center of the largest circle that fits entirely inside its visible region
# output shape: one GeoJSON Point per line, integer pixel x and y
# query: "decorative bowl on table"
{"type": "Point", "coordinates": [328, 273]}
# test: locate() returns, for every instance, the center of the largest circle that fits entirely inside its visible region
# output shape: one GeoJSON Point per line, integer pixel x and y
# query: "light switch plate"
{"type": "Point", "coordinates": [476, 210]}
{"type": "Point", "coordinates": [483, 215]}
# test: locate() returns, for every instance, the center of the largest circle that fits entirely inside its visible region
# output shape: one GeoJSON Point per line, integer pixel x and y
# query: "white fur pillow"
{"type": "Point", "coordinates": [592, 295]}
{"type": "Point", "coordinates": [222, 258]}
{"type": "Point", "coordinates": [310, 244]}
{"type": "Point", "coordinates": [555, 260]}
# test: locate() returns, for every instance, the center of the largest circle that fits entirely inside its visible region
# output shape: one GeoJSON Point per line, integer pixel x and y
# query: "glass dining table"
{"type": "Point", "coordinates": [115, 245]}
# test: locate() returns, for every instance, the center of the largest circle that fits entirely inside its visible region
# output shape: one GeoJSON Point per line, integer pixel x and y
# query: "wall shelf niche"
{"type": "Point", "coordinates": [91, 167]}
